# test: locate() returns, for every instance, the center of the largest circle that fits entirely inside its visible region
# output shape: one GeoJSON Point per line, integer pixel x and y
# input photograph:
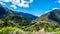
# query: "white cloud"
{"type": "Point", "coordinates": [58, 1]}
{"type": "Point", "coordinates": [25, 5]}
{"type": "Point", "coordinates": [2, 3]}
{"type": "Point", "coordinates": [55, 8]}
{"type": "Point", "coordinates": [13, 6]}
{"type": "Point", "coordinates": [20, 3]}
{"type": "Point", "coordinates": [6, 0]}
{"type": "Point", "coordinates": [31, 1]}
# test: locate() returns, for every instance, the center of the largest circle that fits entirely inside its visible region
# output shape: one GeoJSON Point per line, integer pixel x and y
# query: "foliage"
{"type": "Point", "coordinates": [5, 30]}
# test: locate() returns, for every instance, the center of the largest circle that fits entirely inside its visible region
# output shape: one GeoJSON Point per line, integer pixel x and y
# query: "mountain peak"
{"type": "Point", "coordinates": [52, 17]}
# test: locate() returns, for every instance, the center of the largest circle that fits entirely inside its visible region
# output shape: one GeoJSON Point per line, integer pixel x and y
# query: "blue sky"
{"type": "Point", "coordinates": [35, 7]}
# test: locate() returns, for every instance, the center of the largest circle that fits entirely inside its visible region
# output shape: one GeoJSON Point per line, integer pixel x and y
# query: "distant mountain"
{"type": "Point", "coordinates": [27, 15]}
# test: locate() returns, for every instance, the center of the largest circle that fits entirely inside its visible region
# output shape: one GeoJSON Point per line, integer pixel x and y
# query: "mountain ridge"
{"type": "Point", "coordinates": [48, 20]}
{"type": "Point", "coordinates": [27, 15]}
{"type": "Point", "coordinates": [10, 17]}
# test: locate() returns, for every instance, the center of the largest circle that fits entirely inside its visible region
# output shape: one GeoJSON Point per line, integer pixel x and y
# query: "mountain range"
{"type": "Point", "coordinates": [29, 21]}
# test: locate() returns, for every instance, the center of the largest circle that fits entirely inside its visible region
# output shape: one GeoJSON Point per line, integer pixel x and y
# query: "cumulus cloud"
{"type": "Point", "coordinates": [31, 1]}
{"type": "Point", "coordinates": [20, 3]}
{"type": "Point", "coordinates": [58, 1]}
{"type": "Point", "coordinates": [13, 6]}
{"type": "Point", "coordinates": [6, 1]}
{"type": "Point", "coordinates": [2, 3]}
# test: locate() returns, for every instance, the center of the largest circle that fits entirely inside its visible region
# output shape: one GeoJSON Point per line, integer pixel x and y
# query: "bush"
{"type": "Point", "coordinates": [13, 30]}
{"type": "Point", "coordinates": [5, 30]}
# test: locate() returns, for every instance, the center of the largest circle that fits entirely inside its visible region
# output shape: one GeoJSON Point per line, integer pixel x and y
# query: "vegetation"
{"type": "Point", "coordinates": [12, 23]}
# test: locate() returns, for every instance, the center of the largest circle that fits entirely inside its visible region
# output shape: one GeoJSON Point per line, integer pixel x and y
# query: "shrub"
{"type": "Point", "coordinates": [5, 30]}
